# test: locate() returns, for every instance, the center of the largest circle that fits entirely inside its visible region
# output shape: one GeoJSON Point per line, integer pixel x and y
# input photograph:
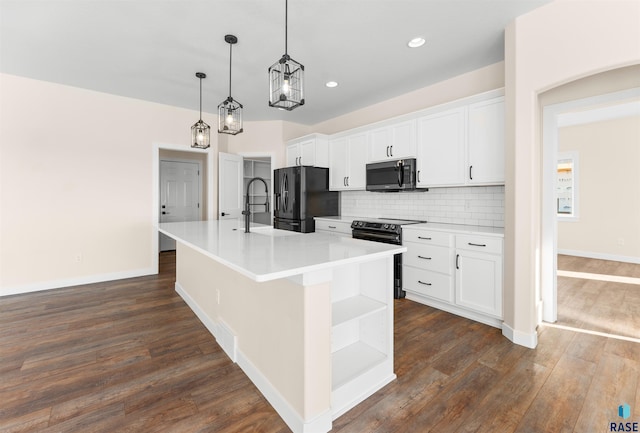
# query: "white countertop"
{"type": "Point", "coordinates": [267, 254]}
{"type": "Point", "coordinates": [458, 228]}
{"type": "Point", "coordinates": [443, 227]}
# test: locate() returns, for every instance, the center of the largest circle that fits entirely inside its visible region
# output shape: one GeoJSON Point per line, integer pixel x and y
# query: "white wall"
{"type": "Point", "coordinates": [609, 189]}
{"type": "Point", "coordinates": [550, 46]}
{"type": "Point", "coordinates": [76, 183]}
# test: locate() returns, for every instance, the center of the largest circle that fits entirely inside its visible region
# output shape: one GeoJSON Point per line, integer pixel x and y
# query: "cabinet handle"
{"type": "Point", "coordinates": [426, 239]}
{"type": "Point", "coordinates": [457, 261]}
{"type": "Point", "coordinates": [332, 227]}
{"type": "Point", "coordinates": [426, 284]}
{"type": "Point", "coordinates": [387, 150]}
{"type": "Point", "coordinates": [418, 176]}
{"type": "Point", "coordinates": [391, 150]}
{"type": "Point", "coordinates": [344, 181]}
{"type": "Point", "coordinates": [477, 245]}
{"type": "Point", "coordinates": [425, 258]}
{"type": "Point", "coordinates": [470, 175]}
{"type": "Point", "coordinates": [347, 180]}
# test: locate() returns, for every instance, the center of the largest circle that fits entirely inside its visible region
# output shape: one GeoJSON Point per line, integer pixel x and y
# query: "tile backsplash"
{"type": "Point", "coordinates": [473, 205]}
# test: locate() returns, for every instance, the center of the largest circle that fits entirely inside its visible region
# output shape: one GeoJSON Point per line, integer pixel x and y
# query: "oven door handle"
{"type": "Point", "coordinates": [370, 236]}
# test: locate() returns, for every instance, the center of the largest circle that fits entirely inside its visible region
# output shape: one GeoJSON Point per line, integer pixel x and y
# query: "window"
{"type": "Point", "coordinates": [567, 186]}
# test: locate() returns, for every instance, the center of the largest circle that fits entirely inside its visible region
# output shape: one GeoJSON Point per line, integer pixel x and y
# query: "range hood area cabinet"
{"type": "Point", "coordinates": [391, 142]}
{"type": "Point", "coordinates": [462, 146]}
{"type": "Point", "coordinates": [308, 150]}
{"type": "Point", "coordinates": [347, 162]}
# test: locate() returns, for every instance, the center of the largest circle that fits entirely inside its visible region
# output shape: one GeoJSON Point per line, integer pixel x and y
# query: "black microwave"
{"type": "Point", "coordinates": [392, 176]}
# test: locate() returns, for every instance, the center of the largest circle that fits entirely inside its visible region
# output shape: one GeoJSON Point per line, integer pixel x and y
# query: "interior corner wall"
{"type": "Point", "coordinates": [76, 183]}
{"type": "Point", "coordinates": [547, 47]}
{"type": "Point", "coordinates": [609, 189]}
{"type": "Point", "coordinates": [259, 137]}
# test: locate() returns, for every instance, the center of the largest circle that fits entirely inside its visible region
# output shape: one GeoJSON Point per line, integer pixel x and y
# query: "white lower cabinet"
{"type": "Point", "coordinates": [455, 272]}
{"type": "Point", "coordinates": [362, 333]}
{"type": "Point", "coordinates": [479, 274]}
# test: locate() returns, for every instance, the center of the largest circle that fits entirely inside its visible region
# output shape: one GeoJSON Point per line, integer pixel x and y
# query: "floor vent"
{"type": "Point", "coordinates": [227, 340]}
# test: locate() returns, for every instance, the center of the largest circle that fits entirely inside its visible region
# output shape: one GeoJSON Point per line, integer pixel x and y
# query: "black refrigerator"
{"type": "Point", "coordinates": [301, 193]}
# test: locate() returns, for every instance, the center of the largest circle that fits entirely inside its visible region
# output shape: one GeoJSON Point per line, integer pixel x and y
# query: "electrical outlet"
{"type": "Point", "coordinates": [620, 241]}
{"type": "Point", "coordinates": [77, 257]}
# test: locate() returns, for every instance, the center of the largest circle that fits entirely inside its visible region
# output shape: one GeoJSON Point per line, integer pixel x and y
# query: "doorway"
{"type": "Point", "coordinates": [235, 172]}
{"type": "Point", "coordinates": [588, 280]}
{"type": "Point", "coordinates": [180, 195]}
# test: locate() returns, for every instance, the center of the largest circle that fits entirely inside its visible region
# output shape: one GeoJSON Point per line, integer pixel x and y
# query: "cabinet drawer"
{"type": "Point", "coordinates": [479, 243]}
{"type": "Point", "coordinates": [427, 237]}
{"type": "Point", "coordinates": [428, 257]}
{"type": "Point", "coordinates": [428, 283]}
{"type": "Point", "coordinates": [334, 226]}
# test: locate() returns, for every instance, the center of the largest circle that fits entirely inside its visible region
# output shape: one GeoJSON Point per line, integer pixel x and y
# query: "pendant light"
{"type": "Point", "coordinates": [286, 78]}
{"type": "Point", "coordinates": [200, 132]}
{"type": "Point", "coordinates": [230, 111]}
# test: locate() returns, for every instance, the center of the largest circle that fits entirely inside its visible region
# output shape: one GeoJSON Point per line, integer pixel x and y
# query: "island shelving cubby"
{"type": "Point", "coordinates": [362, 333]}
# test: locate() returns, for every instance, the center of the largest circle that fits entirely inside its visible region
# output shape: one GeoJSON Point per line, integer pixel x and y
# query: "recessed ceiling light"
{"type": "Point", "coordinates": [416, 42]}
{"type": "Point", "coordinates": [331, 84]}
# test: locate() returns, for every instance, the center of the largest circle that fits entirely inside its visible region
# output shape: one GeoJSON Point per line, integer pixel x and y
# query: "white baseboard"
{"type": "Point", "coordinates": [78, 281]}
{"type": "Point", "coordinates": [208, 323]}
{"type": "Point", "coordinates": [601, 256]}
{"type": "Point", "coordinates": [225, 337]}
{"type": "Point", "coordinates": [320, 424]}
{"type": "Point", "coordinates": [478, 317]}
{"type": "Point", "coordinates": [520, 338]}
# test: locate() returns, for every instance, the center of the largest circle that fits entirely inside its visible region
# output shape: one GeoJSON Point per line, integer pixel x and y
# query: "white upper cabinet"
{"type": "Point", "coordinates": [395, 141]}
{"type": "Point", "coordinates": [441, 148]}
{"type": "Point", "coordinates": [485, 161]}
{"type": "Point", "coordinates": [347, 162]}
{"type": "Point", "coordinates": [308, 150]}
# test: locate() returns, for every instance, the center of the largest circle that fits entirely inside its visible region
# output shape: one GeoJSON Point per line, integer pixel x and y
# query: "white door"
{"type": "Point", "coordinates": [230, 186]}
{"type": "Point", "coordinates": [179, 195]}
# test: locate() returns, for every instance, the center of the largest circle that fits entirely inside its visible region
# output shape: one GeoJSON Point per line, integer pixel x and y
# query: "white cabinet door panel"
{"type": "Point", "coordinates": [479, 282]}
{"type": "Point", "coordinates": [441, 145]}
{"type": "Point", "coordinates": [486, 142]}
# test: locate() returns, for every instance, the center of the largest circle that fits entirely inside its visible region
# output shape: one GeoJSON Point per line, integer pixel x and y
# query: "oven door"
{"type": "Point", "coordinates": [388, 238]}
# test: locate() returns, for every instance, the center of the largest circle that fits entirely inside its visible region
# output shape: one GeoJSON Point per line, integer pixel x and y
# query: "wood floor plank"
{"type": "Point", "coordinates": [599, 409]}
{"type": "Point", "coordinates": [555, 409]}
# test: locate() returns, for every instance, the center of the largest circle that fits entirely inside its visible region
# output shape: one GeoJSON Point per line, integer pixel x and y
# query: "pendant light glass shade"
{"type": "Point", "coordinates": [200, 131]}
{"type": "Point", "coordinates": [229, 110]}
{"type": "Point", "coordinates": [286, 78]}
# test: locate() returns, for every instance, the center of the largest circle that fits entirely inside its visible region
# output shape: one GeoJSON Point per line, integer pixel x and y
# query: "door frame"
{"type": "Point", "coordinates": [155, 189]}
{"type": "Point", "coordinates": [556, 116]}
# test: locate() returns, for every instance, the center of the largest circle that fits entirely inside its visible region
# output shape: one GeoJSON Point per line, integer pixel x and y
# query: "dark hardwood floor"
{"type": "Point", "coordinates": [599, 295]}
{"type": "Point", "coordinates": [130, 356]}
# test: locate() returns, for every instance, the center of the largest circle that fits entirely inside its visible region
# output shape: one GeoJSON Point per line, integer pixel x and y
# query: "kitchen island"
{"type": "Point", "coordinates": [308, 317]}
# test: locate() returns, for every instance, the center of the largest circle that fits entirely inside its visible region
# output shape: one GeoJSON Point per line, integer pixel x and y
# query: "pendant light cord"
{"type": "Point", "coordinates": [201, 99]}
{"type": "Point", "coordinates": [286, 21]}
{"type": "Point", "coordinates": [230, 54]}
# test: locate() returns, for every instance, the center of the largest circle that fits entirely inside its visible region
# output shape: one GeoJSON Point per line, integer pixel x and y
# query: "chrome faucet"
{"type": "Point", "coordinates": [247, 206]}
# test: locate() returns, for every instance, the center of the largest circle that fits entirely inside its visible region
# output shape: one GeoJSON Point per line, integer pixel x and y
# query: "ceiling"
{"type": "Point", "coordinates": [151, 49]}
